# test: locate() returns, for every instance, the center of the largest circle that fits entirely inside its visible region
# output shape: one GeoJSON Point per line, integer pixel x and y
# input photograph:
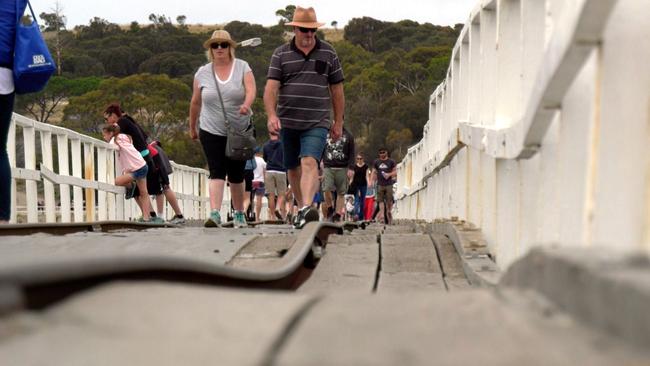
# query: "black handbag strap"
{"type": "Point", "coordinates": [216, 83]}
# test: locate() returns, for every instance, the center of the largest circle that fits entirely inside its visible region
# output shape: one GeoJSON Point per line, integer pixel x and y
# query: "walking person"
{"type": "Point", "coordinates": [258, 181]}
{"type": "Point", "coordinates": [249, 168]}
{"type": "Point", "coordinates": [7, 94]}
{"type": "Point", "coordinates": [163, 170]}
{"type": "Point", "coordinates": [384, 172]}
{"type": "Point", "coordinates": [237, 87]}
{"type": "Point", "coordinates": [359, 186]}
{"type": "Point", "coordinates": [304, 84]}
{"type": "Point", "coordinates": [134, 168]}
{"type": "Point", "coordinates": [275, 178]}
{"type": "Point", "coordinates": [338, 160]}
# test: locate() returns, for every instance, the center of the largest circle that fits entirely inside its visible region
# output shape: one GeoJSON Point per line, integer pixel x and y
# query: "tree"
{"type": "Point", "coordinates": [134, 27]}
{"type": "Point", "coordinates": [97, 28]}
{"type": "Point", "coordinates": [390, 69]}
{"type": "Point", "coordinates": [81, 65]}
{"type": "Point", "coordinates": [55, 22]}
{"type": "Point", "coordinates": [363, 32]}
{"type": "Point", "coordinates": [334, 24]}
{"type": "Point", "coordinates": [26, 19]}
{"type": "Point", "coordinates": [160, 104]}
{"type": "Point", "coordinates": [398, 142]}
{"type": "Point", "coordinates": [42, 105]}
{"type": "Point", "coordinates": [159, 20]}
{"type": "Point", "coordinates": [123, 60]}
{"type": "Point", "coordinates": [286, 14]}
{"type": "Point", "coordinates": [173, 64]}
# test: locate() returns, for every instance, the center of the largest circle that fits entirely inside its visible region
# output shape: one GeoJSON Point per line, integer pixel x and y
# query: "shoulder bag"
{"type": "Point", "coordinates": [33, 64]}
{"type": "Point", "coordinates": [240, 144]}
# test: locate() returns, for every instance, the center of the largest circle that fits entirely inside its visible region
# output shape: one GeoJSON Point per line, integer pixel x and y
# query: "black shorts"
{"type": "Point", "coordinates": [214, 148]}
{"type": "Point", "coordinates": [153, 178]}
{"type": "Point", "coordinates": [248, 178]}
{"type": "Point", "coordinates": [163, 178]}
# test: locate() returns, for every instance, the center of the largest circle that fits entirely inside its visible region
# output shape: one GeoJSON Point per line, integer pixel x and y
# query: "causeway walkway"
{"type": "Point", "coordinates": [397, 295]}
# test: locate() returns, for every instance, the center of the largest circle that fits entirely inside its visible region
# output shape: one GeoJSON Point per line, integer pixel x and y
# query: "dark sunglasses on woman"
{"type": "Point", "coordinates": [307, 30]}
{"type": "Point", "coordinates": [215, 46]}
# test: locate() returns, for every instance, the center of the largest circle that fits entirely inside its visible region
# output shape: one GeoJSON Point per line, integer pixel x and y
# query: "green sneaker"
{"type": "Point", "coordinates": [239, 221]}
{"type": "Point", "coordinates": [214, 220]}
{"type": "Point", "coordinates": [156, 220]}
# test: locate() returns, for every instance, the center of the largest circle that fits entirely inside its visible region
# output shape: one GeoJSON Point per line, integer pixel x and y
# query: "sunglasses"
{"type": "Point", "coordinates": [307, 30]}
{"type": "Point", "coordinates": [215, 46]}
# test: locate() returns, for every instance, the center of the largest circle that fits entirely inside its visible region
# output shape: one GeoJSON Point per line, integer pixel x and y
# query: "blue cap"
{"type": "Point", "coordinates": [258, 149]}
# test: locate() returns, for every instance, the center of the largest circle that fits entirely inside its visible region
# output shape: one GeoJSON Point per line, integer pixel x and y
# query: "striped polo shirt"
{"type": "Point", "coordinates": [304, 101]}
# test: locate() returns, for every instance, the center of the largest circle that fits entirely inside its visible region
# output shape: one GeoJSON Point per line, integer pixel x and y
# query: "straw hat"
{"type": "Point", "coordinates": [219, 35]}
{"type": "Point", "coordinates": [305, 18]}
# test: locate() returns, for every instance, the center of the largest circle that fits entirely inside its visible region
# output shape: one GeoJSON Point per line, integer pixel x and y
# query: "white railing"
{"type": "Point", "coordinates": [540, 132]}
{"type": "Point", "coordinates": [45, 190]}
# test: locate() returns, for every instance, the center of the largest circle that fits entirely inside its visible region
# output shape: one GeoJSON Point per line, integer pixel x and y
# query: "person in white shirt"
{"type": "Point", "coordinates": [258, 182]}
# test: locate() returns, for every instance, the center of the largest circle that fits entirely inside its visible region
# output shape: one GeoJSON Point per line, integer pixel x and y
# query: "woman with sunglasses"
{"type": "Point", "coordinates": [360, 186]}
{"type": "Point", "coordinates": [237, 87]}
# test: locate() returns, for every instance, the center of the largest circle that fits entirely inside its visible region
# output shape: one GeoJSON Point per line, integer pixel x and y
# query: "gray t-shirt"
{"type": "Point", "coordinates": [233, 92]}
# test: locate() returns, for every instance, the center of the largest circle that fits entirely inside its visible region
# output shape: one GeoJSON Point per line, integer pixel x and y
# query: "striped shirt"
{"type": "Point", "coordinates": [304, 101]}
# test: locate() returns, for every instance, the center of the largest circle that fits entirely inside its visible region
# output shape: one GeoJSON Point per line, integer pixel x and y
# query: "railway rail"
{"type": "Point", "coordinates": [62, 260]}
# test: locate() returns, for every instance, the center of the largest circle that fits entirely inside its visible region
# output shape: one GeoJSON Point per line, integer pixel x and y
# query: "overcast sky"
{"type": "Point", "coordinates": [439, 12]}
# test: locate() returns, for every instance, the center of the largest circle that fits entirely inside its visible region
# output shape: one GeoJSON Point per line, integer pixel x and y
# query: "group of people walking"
{"type": "Point", "coordinates": [304, 103]}
{"type": "Point", "coordinates": [309, 157]}
{"type": "Point", "coordinates": [304, 79]}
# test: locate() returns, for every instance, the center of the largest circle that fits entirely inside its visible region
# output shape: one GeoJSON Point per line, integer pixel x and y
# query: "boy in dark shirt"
{"type": "Point", "coordinates": [338, 160]}
{"type": "Point", "coordinates": [275, 178]}
{"type": "Point", "coordinates": [384, 173]}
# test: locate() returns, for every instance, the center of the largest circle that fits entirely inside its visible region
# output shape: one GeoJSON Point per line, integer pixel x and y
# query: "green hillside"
{"type": "Point", "coordinates": [390, 70]}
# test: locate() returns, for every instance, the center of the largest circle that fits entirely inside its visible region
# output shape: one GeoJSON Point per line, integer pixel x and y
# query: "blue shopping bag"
{"type": "Point", "coordinates": [33, 64]}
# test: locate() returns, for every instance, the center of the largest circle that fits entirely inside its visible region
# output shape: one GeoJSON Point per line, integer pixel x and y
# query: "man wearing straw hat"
{"type": "Point", "coordinates": [304, 84]}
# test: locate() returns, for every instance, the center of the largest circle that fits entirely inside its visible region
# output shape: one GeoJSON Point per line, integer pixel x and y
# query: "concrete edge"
{"type": "Point", "coordinates": [605, 289]}
{"type": "Point", "coordinates": [480, 269]}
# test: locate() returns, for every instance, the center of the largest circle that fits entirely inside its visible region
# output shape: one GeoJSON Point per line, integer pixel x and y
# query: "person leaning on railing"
{"type": "Point", "coordinates": [134, 167]}
{"type": "Point", "coordinates": [7, 44]}
{"type": "Point", "coordinates": [113, 115]}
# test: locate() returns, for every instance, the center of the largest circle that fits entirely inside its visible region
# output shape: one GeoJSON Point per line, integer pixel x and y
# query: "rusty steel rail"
{"type": "Point", "coordinates": [64, 229]}
{"type": "Point", "coordinates": [35, 287]}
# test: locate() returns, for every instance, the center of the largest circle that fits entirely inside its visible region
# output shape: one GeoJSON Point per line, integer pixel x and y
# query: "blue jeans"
{"type": "Point", "coordinates": [140, 173]}
{"type": "Point", "coordinates": [6, 109]}
{"type": "Point", "coordinates": [360, 201]}
{"type": "Point", "coordinates": [297, 144]}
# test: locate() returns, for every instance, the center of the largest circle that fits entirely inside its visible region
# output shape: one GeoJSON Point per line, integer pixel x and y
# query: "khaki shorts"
{"type": "Point", "coordinates": [335, 179]}
{"type": "Point", "coordinates": [276, 183]}
{"type": "Point", "coordinates": [385, 192]}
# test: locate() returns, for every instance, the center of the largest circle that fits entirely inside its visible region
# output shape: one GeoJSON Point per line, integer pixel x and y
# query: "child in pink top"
{"type": "Point", "coordinates": [133, 167]}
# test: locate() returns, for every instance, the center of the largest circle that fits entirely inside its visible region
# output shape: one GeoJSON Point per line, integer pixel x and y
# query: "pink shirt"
{"type": "Point", "coordinates": [130, 158]}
